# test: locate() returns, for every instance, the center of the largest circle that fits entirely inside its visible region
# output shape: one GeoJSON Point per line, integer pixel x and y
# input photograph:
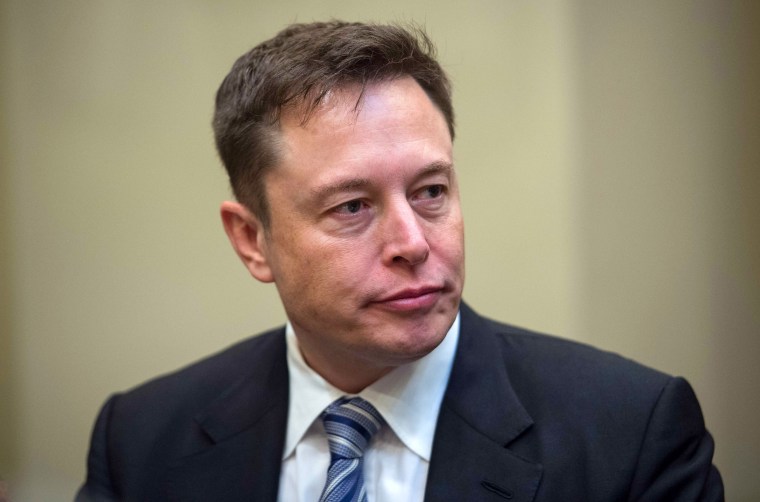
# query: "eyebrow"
{"type": "Point", "coordinates": [436, 168]}
{"type": "Point", "coordinates": [324, 191]}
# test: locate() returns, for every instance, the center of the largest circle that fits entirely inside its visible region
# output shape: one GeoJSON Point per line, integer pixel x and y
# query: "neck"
{"type": "Point", "coordinates": [349, 374]}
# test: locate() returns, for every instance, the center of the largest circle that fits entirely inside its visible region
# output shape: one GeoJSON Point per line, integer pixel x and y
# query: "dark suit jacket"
{"type": "Point", "coordinates": [525, 417]}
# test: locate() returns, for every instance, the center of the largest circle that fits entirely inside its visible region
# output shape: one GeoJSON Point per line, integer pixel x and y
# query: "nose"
{"type": "Point", "coordinates": [404, 236]}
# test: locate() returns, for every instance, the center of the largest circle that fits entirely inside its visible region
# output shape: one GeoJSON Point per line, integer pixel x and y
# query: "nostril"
{"type": "Point", "coordinates": [412, 258]}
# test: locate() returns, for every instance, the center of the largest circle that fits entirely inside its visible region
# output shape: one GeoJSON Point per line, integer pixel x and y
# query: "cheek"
{"type": "Point", "coordinates": [334, 268]}
{"type": "Point", "coordinates": [449, 242]}
{"type": "Point", "coordinates": [452, 257]}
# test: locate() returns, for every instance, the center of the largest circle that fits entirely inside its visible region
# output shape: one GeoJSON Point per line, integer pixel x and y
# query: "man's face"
{"type": "Point", "coordinates": [366, 243]}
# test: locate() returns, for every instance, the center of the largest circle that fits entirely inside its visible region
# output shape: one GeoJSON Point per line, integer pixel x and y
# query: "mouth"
{"type": "Point", "coordinates": [411, 299]}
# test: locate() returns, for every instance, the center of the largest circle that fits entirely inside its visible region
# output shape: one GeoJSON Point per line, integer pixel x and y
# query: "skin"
{"type": "Point", "coordinates": [365, 242]}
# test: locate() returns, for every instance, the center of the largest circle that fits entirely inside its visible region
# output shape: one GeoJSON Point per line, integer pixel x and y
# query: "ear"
{"type": "Point", "coordinates": [247, 236]}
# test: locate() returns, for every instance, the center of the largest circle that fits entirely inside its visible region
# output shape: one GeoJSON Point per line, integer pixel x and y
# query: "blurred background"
{"type": "Point", "coordinates": [609, 161]}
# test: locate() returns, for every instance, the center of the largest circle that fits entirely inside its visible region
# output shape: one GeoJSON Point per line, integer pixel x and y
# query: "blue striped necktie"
{"type": "Point", "coordinates": [350, 424]}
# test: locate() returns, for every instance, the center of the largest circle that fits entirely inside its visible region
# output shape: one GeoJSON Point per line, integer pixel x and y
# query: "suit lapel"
{"type": "Point", "coordinates": [479, 417]}
{"type": "Point", "coordinates": [246, 427]}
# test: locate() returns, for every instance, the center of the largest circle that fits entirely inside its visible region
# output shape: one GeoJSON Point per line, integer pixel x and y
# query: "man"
{"type": "Point", "coordinates": [338, 142]}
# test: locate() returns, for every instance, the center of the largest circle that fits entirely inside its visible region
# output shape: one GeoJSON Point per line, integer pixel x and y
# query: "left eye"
{"type": "Point", "coordinates": [350, 207]}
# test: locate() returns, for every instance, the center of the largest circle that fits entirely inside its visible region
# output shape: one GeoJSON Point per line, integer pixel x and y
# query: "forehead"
{"type": "Point", "coordinates": [364, 121]}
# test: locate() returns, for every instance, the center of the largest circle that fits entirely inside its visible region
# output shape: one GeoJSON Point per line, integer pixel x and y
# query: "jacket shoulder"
{"type": "Point", "coordinates": [573, 366]}
{"type": "Point", "coordinates": [208, 377]}
{"type": "Point", "coordinates": [577, 388]}
{"type": "Point", "coordinates": [625, 431]}
{"type": "Point", "coordinates": [141, 432]}
{"type": "Point", "coordinates": [164, 411]}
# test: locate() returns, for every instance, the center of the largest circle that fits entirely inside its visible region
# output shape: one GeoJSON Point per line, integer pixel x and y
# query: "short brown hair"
{"type": "Point", "coordinates": [297, 68]}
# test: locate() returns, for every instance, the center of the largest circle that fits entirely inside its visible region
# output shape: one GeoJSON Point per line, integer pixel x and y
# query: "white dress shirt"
{"type": "Point", "coordinates": [396, 462]}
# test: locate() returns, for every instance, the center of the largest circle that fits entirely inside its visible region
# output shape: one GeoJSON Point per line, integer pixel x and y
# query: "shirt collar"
{"type": "Point", "coordinates": [409, 397]}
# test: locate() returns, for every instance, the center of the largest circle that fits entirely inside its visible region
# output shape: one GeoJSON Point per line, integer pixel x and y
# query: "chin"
{"type": "Point", "coordinates": [417, 347]}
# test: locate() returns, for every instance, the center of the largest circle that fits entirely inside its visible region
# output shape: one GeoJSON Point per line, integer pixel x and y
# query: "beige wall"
{"type": "Point", "coordinates": [608, 155]}
{"type": "Point", "coordinates": [669, 135]}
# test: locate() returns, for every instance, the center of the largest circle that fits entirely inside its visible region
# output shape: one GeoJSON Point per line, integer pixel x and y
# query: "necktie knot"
{"type": "Point", "coordinates": [349, 424]}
